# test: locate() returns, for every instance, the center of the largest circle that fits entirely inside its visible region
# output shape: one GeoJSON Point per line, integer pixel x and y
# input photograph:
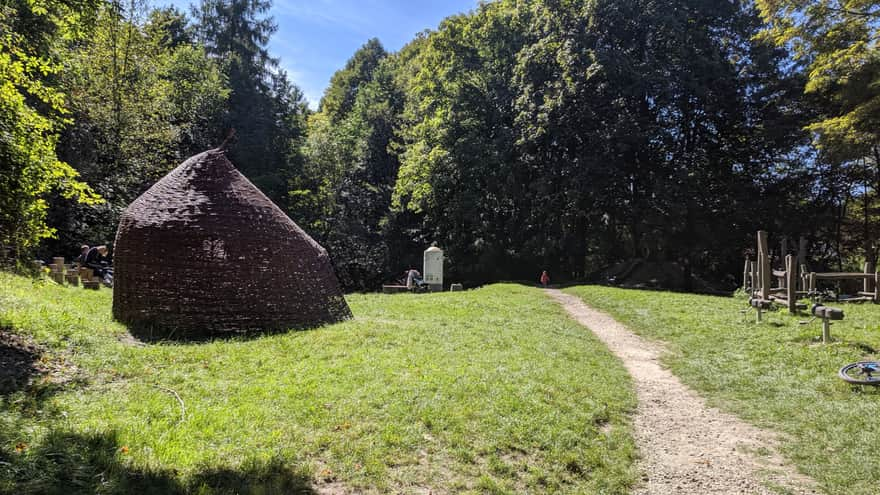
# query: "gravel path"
{"type": "Point", "coordinates": [686, 446]}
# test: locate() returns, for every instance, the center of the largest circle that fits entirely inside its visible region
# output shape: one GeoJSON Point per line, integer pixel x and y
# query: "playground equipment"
{"type": "Point", "coordinates": [826, 313]}
{"type": "Point", "coordinates": [760, 306]}
{"type": "Point", "coordinates": [794, 281]}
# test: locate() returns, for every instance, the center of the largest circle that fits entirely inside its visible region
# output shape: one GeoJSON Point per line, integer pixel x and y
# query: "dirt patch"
{"type": "Point", "coordinates": [686, 446]}
{"type": "Point", "coordinates": [22, 362]}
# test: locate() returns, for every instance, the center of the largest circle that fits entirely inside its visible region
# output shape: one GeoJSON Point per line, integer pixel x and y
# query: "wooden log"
{"type": "Point", "coordinates": [72, 279]}
{"type": "Point", "coordinates": [58, 261]}
{"type": "Point", "coordinates": [843, 276]}
{"type": "Point", "coordinates": [791, 282]}
{"type": "Point", "coordinates": [857, 299]}
{"type": "Point", "coordinates": [91, 284]}
{"type": "Point", "coordinates": [764, 264]}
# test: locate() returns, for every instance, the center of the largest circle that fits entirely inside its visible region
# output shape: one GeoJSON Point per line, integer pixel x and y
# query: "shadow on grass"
{"type": "Point", "coordinates": [19, 362]}
{"type": "Point", "coordinates": [156, 335]}
{"type": "Point", "coordinates": [71, 463]}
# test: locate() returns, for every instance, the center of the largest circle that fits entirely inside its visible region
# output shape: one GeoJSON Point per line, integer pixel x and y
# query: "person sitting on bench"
{"type": "Point", "coordinates": [414, 279]}
{"type": "Point", "coordinates": [96, 259]}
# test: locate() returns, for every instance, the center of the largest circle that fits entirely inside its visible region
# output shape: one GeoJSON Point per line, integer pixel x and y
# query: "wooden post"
{"type": "Point", "coordinates": [753, 276]}
{"type": "Point", "coordinates": [811, 282]}
{"type": "Point", "coordinates": [763, 265]}
{"type": "Point", "coordinates": [783, 246]}
{"type": "Point", "coordinates": [826, 330]}
{"type": "Point", "coordinates": [791, 282]}
{"type": "Point", "coordinates": [869, 282]}
{"type": "Point", "coordinates": [746, 275]}
{"type": "Point", "coordinates": [802, 258]}
{"type": "Point", "coordinates": [877, 287]}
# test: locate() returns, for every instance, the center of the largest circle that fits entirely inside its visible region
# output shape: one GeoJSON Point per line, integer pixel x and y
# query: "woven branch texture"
{"type": "Point", "coordinates": [204, 253]}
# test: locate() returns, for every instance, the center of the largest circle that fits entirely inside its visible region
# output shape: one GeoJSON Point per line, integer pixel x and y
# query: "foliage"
{"type": "Point", "coordinates": [568, 135]}
{"type": "Point", "coordinates": [835, 42]}
{"type": "Point", "coordinates": [351, 168]}
{"type": "Point", "coordinates": [266, 110]}
{"type": "Point", "coordinates": [142, 99]}
{"type": "Point", "coordinates": [32, 110]}
{"type": "Point", "coordinates": [491, 390]}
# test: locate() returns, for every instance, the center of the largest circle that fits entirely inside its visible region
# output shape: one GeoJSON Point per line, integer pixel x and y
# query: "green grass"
{"type": "Point", "coordinates": [487, 391]}
{"type": "Point", "coordinates": [776, 374]}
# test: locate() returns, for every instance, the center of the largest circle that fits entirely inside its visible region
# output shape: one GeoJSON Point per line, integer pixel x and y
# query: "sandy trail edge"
{"type": "Point", "coordinates": [686, 446]}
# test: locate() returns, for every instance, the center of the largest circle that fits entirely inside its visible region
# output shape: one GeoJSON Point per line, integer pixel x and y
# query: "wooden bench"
{"type": "Point", "coordinates": [394, 289]}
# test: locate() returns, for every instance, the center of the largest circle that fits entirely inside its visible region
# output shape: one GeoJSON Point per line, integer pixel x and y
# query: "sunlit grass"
{"type": "Point", "coordinates": [487, 391]}
{"type": "Point", "coordinates": [776, 374]}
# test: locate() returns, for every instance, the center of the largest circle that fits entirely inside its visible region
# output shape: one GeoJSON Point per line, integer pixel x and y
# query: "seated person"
{"type": "Point", "coordinates": [413, 279]}
{"type": "Point", "coordinates": [96, 259]}
{"type": "Point", "coordinates": [81, 259]}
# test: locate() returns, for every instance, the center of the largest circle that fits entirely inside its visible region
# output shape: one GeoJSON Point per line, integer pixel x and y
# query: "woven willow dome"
{"type": "Point", "coordinates": [203, 253]}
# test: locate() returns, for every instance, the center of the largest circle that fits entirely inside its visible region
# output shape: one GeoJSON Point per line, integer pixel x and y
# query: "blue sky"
{"type": "Point", "coordinates": [315, 38]}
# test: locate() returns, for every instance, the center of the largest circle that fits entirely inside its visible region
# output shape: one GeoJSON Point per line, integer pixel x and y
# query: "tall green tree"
{"type": "Point", "coordinates": [142, 99]}
{"type": "Point", "coordinates": [351, 169]}
{"type": "Point", "coordinates": [267, 111]}
{"type": "Point", "coordinates": [835, 43]}
{"type": "Point", "coordinates": [32, 112]}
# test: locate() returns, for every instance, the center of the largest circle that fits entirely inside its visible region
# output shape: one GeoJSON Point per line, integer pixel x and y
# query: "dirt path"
{"type": "Point", "coordinates": [686, 446]}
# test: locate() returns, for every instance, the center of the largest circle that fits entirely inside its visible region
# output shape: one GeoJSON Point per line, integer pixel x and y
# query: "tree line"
{"type": "Point", "coordinates": [522, 136]}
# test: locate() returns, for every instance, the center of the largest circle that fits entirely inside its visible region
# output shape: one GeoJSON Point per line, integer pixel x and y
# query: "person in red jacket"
{"type": "Point", "coordinates": [545, 279]}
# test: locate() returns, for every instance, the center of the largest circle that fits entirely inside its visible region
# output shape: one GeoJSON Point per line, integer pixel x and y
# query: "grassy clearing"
{"type": "Point", "coordinates": [776, 374]}
{"type": "Point", "coordinates": [487, 391]}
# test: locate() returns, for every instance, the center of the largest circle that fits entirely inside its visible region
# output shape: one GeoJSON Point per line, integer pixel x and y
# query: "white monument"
{"type": "Point", "coordinates": [432, 270]}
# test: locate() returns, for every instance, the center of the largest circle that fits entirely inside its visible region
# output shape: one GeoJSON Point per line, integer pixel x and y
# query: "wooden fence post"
{"type": "Point", "coordinates": [763, 265]}
{"type": "Point", "coordinates": [791, 282]}
{"type": "Point", "coordinates": [753, 276]}
{"type": "Point", "coordinates": [746, 275]}
{"type": "Point", "coordinates": [802, 260]}
{"type": "Point", "coordinates": [869, 282]}
{"type": "Point", "coordinates": [877, 287]}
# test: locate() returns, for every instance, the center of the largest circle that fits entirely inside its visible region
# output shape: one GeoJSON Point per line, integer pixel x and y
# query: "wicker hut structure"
{"type": "Point", "coordinates": [204, 253]}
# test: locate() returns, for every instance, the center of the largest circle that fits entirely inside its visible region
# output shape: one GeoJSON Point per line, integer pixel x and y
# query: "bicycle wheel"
{"type": "Point", "coordinates": [861, 373]}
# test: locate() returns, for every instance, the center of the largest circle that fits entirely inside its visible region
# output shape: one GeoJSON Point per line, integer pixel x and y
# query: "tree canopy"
{"type": "Point", "coordinates": [521, 136]}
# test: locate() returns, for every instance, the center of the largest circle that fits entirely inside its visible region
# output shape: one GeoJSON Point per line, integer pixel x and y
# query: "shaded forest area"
{"type": "Point", "coordinates": [525, 135]}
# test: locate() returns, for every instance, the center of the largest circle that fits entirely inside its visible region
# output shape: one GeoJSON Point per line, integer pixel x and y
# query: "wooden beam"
{"type": "Point", "coordinates": [763, 264]}
{"type": "Point", "coordinates": [843, 276]}
{"type": "Point", "coordinates": [791, 282]}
